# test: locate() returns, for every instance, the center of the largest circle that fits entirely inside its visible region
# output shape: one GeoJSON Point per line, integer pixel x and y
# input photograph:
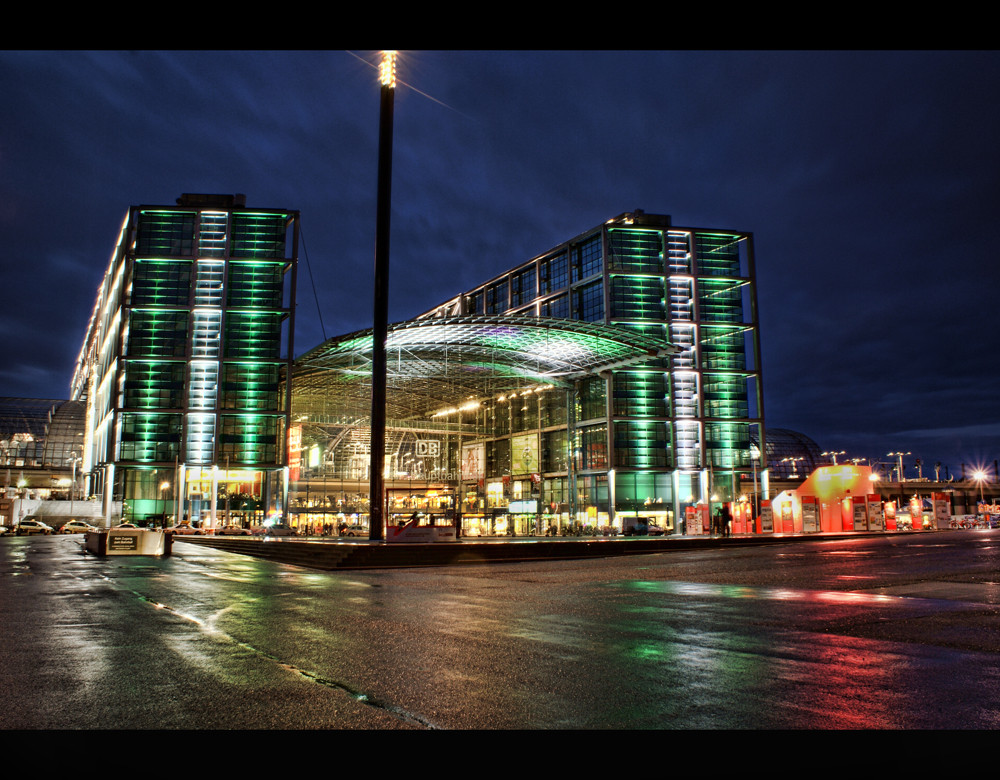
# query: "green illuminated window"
{"type": "Point", "coordinates": [254, 336]}
{"type": "Point", "coordinates": [253, 387]}
{"type": "Point", "coordinates": [718, 254]}
{"type": "Point", "coordinates": [728, 444]}
{"type": "Point", "coordinates": [637, 298]}
{"type": "Point", "coordinates": [150, 437]}
{"type": "Point", "coordinates": [635, 250]}
{"type": "Point", "coordinates": [258, 235]}
{"type": "Point", "coordinates": [722, 348]}
{"type": "Point", "coordinates": [249, 438]}
{"type": "Point", "coordinates": [641, 445]}
{"type": "Point", "coordinates": [166, 234]}
{"type": "Point", "coordinates": [157, 283]}
{"type": "Point", "coordinates": [639, 394]}
{"type": "Point", "coordinates": [720, 300]}
{"type": "Point", "coordinates": [157, 333]}
{"type": "Point", "coordinates": [637, 492]}
{"type": "Point", "coordinates": [153, 385]}
{"type": "Point", "coordinates": [725, 396]}
{"type": "Point", "coordinates": [255, 285]}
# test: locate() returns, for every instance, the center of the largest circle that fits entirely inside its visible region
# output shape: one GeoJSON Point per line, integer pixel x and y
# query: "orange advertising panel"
{"type": "Point", "coordinates": [294, 452]}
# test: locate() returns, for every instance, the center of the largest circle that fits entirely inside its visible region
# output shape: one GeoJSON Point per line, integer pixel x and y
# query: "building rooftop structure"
{"type": "Point", "coordinates": [437, 363]}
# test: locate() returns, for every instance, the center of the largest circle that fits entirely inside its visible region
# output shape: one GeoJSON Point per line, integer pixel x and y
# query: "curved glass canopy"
{"type": "Point", "coordinates": [437, 362]}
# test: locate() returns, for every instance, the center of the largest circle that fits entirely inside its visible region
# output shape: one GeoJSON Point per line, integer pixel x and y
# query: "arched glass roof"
{"type": "Point", "coordinates": [434, 362]}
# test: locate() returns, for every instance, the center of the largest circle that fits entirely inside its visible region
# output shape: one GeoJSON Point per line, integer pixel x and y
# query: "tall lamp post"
{"type": "Point", "coordinates": [376, 507]}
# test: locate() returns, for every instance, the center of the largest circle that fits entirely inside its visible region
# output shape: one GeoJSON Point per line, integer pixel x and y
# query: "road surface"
{"type": "Point", "coordinates": [884, 633]}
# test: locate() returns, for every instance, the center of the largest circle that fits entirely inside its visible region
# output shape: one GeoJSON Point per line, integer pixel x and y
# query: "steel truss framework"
{"type": "Point", "coordinates": [434, 364]}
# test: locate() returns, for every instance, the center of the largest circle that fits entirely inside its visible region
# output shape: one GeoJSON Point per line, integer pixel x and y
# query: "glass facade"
{"type": "Point", "coordinates": [663, 437]}
{"type": "Point", "coordinates": [182, 364]}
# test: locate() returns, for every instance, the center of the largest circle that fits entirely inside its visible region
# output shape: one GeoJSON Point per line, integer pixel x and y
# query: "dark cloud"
{"type": "Point", "coordinates": [870, 181]}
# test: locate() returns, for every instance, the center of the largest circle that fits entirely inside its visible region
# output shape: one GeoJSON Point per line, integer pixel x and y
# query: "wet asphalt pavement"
{"type": "Point", "coordinates": [884, 633]}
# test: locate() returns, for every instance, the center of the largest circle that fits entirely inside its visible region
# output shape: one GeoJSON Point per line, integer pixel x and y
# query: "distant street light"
{"type": "Point", "coordinates": [900, 456]}
{"type": "Point", "coordinates": [980, 476]}
{"type": "Point", "coordinates": [833, 455]}
{"type": "Point", "coordinates": [794, 462]}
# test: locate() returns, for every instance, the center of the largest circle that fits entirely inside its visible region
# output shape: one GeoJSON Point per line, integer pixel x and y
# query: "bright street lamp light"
{"type": "Point", "coordinates": [980, 476]}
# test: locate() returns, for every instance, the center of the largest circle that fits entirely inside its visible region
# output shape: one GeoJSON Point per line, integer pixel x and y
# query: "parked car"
{"type": "Point", "coordinates": [183, 528]}
{"type": "Point", "coordinates": [654, 530]}
{"type": "Point", "coordinates": [28, 527]}
{"type": "Point", "coordinates": [354, 530]}
{"type": "Point", "coordinates": [233, 530]}
{"type": "Point", "coordinates": [280, 529]}
{"type": "Point", "coordinates": [637, 526]}
{"type": "Point", "coordinates": [126, 525]}
{"type": "Point", "coordinates": [77, 527]}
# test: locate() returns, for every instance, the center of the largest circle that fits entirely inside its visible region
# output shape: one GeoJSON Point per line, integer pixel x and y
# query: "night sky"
{"type": "Point", "coordinates": [871, 182]}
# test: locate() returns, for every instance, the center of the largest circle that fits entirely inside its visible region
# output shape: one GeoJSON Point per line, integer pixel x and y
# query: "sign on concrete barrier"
{"type": "Point", "coordinates": [127, 541]}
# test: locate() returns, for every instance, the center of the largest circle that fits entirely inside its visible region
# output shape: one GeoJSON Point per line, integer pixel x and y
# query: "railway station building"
{"type": "Point", "coordinates": [617, 374]}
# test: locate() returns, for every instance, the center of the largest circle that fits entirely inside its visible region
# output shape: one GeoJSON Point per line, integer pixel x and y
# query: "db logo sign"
{"type": "Point", "coordinates": [428, 448]}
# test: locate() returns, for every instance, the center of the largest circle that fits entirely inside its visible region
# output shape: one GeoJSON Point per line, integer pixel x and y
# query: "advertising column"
{"type": "Point", "coordinates": [916, 514]}
{"type": "Point", "coordinates": [692, 521]}
{"type": "Point", "coordinates": [890, 515]}
{"type": "Point", "coordinates": [876, 522]}
{"type": "Point", "coordinates": [942, 509]}
{"type": "Point", "coordinates": [766, 518]}
{"type": "Point", "coordinates": [860, 509]}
